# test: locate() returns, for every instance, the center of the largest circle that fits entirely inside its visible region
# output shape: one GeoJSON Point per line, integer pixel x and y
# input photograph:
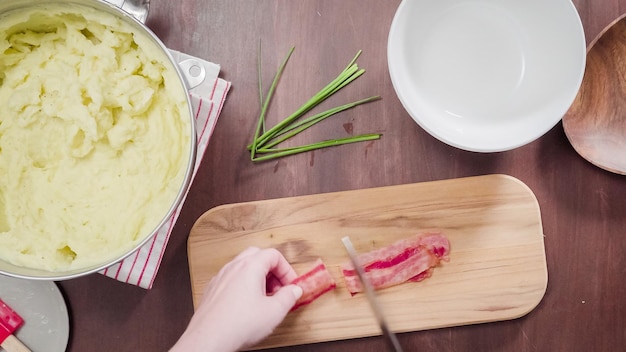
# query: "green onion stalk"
{"type": "Point", "coordinates": [264, 142]}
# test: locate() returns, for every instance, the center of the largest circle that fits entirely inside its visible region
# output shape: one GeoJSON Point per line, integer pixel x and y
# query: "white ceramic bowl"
{"type": "Point", "coordinates": [486, 75]}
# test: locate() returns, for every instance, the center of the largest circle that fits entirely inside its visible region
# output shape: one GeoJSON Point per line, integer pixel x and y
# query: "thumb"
{"type": "Point", "coordinates": [287, 296]}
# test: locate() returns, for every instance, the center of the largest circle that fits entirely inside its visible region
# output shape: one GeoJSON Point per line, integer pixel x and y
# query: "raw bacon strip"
{"type": "Point", "coordinates": [411, 259]}
{"type": "Point", "coordinates": [392, 271]}
{"type": "Point", "coordinates": [314, 283]}
{"type": "Point", "coordinates": [422, 276]}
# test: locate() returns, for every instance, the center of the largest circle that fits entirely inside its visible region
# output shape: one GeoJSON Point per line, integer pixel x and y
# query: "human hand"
{"type": "Point", "coordinates": [243, 303]}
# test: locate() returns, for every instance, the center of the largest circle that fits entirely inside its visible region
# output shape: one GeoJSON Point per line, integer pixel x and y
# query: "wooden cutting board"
{"type": "Point", "coordinates": [497, 268]}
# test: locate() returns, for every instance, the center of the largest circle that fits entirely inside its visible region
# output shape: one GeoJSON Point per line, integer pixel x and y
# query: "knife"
{"type": "Point", "coordinates": [371, 296]}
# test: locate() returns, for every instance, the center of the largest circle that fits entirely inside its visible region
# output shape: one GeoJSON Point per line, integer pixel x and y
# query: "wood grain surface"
{"type": "Point", "coordinates": [583, 207]}
{"type": "Point", "coordinates": [497, 269]}
{"type": "Point", "coordinates": [596, 122]}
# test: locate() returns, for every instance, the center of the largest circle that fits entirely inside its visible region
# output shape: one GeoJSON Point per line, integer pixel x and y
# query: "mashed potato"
{"type": "Point", "coordinates": [95, 137]}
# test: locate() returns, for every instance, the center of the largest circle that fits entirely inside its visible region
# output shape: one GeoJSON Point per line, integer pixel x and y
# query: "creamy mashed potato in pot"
{"type": "Point", "coordinates": [94, 137]}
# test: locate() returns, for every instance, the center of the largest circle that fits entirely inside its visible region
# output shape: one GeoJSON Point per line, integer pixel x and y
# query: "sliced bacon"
{"type": "Point", "coordinates": [314, 283]}
{"type": "Point", "coordinates": [411, 259]}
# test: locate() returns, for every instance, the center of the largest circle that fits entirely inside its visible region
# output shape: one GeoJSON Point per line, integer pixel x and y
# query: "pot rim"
{"type": "Point", "coordinates": [12, 270]}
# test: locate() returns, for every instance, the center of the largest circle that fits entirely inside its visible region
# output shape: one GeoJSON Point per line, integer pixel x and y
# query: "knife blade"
{"type": "Point", "coordinates": [371, 296]}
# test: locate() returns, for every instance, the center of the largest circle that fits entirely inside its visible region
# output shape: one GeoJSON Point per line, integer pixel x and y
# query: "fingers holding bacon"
{"type": "Point", "coordinates": [236, 310]}
{"type": "Point", "coordinates": [254, 292]}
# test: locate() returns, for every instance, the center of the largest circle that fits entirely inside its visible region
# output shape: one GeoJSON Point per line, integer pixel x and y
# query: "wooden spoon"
{"type": "Point", "coordinates": [596, 122]}
{"type": "Point", "coordinates": [10, 321]}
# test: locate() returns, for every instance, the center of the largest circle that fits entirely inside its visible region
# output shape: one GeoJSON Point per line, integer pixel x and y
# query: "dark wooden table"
{"type": "Point", "coordinates": [583, 208]}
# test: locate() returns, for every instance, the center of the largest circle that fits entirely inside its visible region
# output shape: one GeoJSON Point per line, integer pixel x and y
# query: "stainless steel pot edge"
{"type": "Point", "coordinates": [137, 8]}
{"type": "Point", "coordinates": [36, 274]}
{"type": "Point", "coordinates": [193, 71]}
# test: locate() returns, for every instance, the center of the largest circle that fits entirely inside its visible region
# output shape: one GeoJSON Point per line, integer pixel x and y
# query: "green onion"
{"type": "Point", "coordinates": [277, 153]}
{"type": "Point", "coordinates": [260, 79]}
{"type": "Point", "coordinates": [264, 141]}
{"type": "Point", "coordinates": [267, 103]}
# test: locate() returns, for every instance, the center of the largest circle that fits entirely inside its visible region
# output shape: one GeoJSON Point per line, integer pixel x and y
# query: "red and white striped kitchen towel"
{"type": "Point", "coordinates": [207, 99]}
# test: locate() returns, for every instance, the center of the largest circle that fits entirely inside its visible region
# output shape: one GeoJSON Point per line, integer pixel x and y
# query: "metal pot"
{"type": "Point", "coordinates": [133, 12]}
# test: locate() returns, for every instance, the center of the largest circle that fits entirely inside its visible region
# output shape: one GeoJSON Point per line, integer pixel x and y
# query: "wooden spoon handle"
{"type": "Point", "coordinates": [13, 344]}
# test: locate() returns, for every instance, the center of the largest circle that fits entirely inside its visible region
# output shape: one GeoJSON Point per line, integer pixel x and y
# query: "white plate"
{"type": "Point", "coordinates": [486, 75]}
{"type": "Point", "coordinates": [41, 305]}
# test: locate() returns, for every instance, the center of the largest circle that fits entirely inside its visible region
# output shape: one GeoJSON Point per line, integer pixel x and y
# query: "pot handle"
{"type": "Point", "coordinates": [136, 8]}
{"type": "Point", "coordinates": [192, 70]}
